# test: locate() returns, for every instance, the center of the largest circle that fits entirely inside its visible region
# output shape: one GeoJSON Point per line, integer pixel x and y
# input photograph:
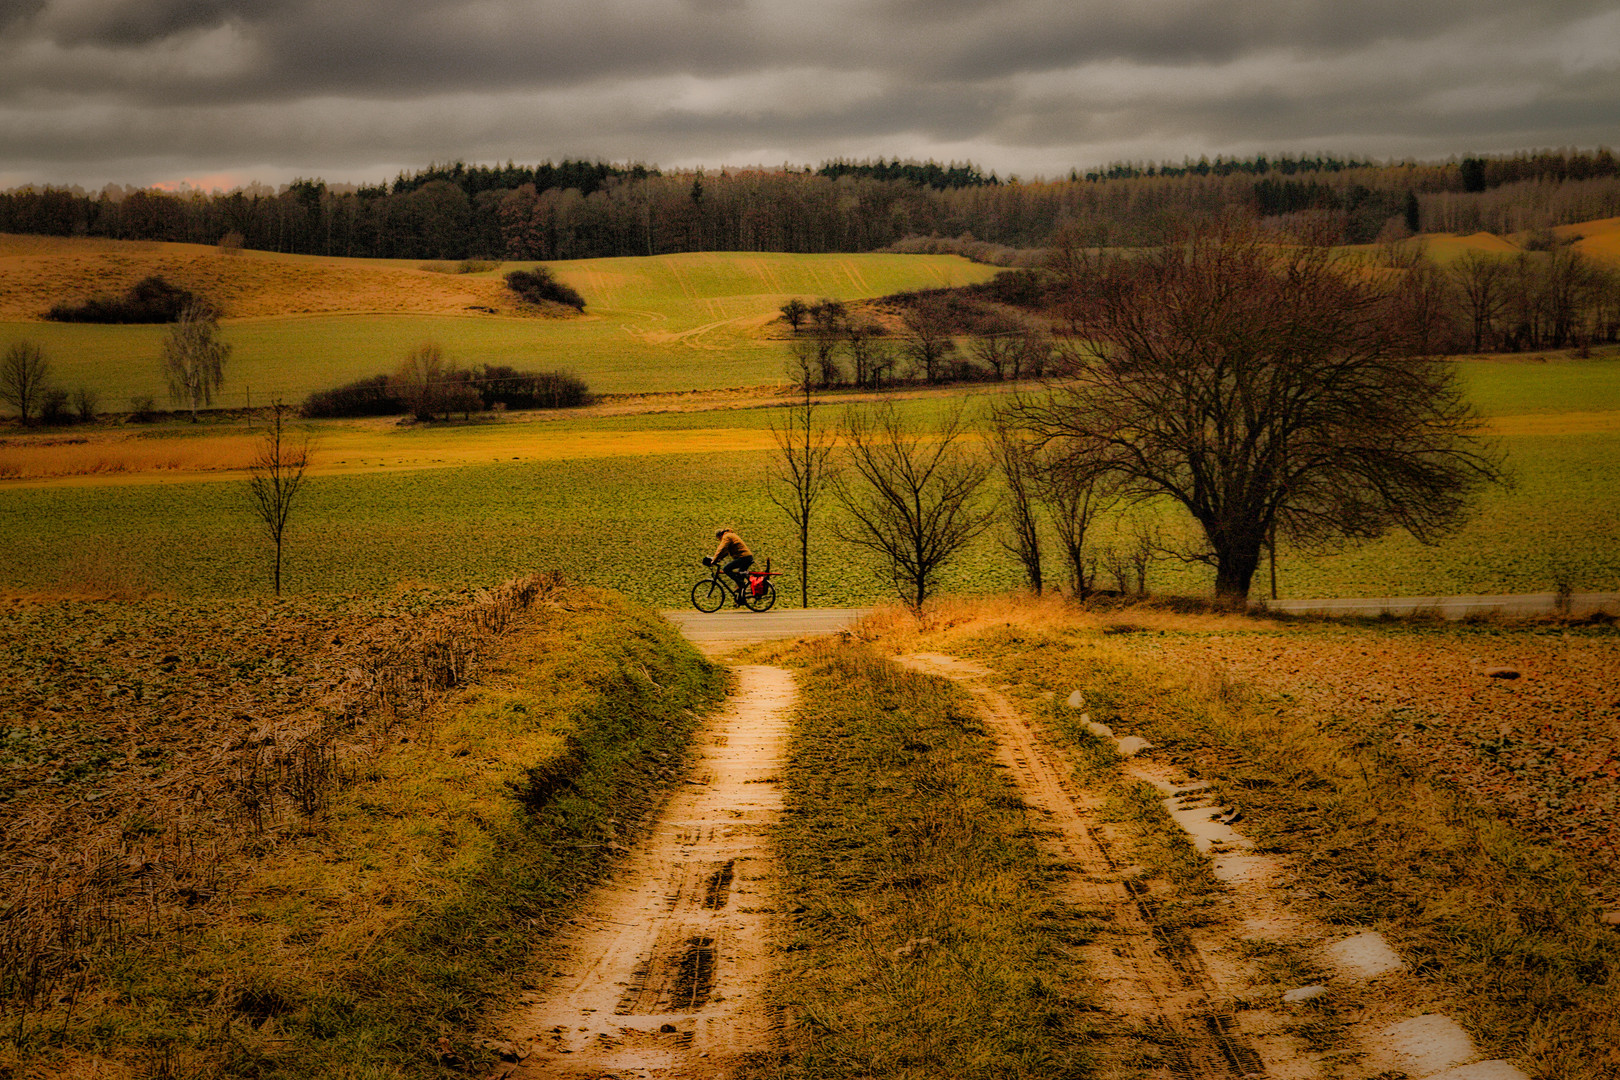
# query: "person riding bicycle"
{"type": "Point", "coordinates": [732, 546]}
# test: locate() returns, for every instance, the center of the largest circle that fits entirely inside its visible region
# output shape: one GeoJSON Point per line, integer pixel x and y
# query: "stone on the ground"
{"type": "Point", "coordinates": [1612, 918]}
{"type": "Point", "coordinates": [1131, 745]}
{"type": "Point", "coordinates": [1303, 993]}
{"type": "Point", "coordinates": [1076, 700]}
{"type": "Point", "coordinates": [1102, 731]}
{"type": "Point", "coordinates": [1364, 956]}
{"type": "Point", "coordinates": [1501, 673]}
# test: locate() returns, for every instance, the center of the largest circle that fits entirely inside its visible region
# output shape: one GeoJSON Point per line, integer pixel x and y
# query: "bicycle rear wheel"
{"type": "Point", "coordinates": [709, 595]}
{"type": "Point", "coordinates": [764, 601]}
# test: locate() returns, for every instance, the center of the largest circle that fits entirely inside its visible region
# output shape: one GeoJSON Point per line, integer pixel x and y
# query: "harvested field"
{"type": "Point", "coordinates": [1525, 719]}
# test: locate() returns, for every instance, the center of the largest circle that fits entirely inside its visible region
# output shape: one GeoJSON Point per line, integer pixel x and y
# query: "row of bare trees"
{"type": "Point", "coordinates": [1268, 390]}
{"type": "Point", "coordinates": [1513, 303]}
{"type": "Point", "coordinates": [940, 339]}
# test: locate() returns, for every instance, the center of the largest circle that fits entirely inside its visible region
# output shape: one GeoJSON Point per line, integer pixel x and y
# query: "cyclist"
{"type": "Point", "coordinates": [732, 546]}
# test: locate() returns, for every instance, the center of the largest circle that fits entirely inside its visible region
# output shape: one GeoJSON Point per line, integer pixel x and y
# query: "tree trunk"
{"type": "Point", "coordinates": [1234, 571]}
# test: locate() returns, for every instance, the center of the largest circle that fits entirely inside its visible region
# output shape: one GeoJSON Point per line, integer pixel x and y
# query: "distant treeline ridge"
{"type": "Point", "coordinates": [580, 209]}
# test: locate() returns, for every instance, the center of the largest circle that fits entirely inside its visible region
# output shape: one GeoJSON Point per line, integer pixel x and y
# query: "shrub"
{"type": "Point", "coordinates": [1015, 288]}
{"type": "Point", "coordinates": [363, 397]}
{"type": "Point", "coordinates": [53, 407]}
{"type": "Point", "coordinates": [85, 401]}
{"type": "Point", "coordinates": [537, 285]}
{"type": "Point", "coordinates": [150, 300]}
{"type": "Point", "coordinates": [142, 408]}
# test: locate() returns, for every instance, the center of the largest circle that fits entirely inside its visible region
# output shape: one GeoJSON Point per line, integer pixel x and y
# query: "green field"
{"type": "Point", "coordinates": [677, 322]}
{"type": "Point", "coordinates": [638, 518]}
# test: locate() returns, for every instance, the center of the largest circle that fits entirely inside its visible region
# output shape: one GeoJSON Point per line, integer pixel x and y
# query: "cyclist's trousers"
{"type": "Point", "coordinates": [737, 570]}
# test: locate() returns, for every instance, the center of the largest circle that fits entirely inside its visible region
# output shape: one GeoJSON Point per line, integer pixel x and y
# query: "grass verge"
{"type": "Point", "coordinates": [374, 938]}
{"type": "Point", "coordinates": [922, 942]}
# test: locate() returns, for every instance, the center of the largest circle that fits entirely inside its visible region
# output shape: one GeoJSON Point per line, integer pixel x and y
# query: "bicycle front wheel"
{"type": "Point", "coordinates": [764, 601]}
{"type": "Point", "coordinates": [709, 595]}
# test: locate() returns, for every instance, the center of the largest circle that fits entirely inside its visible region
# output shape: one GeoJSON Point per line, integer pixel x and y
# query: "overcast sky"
{"type": "Point", "coordinates": [221, 92]}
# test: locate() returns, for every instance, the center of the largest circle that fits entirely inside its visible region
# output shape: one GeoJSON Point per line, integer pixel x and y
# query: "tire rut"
{"type": "Point", "coordinates": [663, 973]}
{"type": "Point", "coordinates": [1152, 975]}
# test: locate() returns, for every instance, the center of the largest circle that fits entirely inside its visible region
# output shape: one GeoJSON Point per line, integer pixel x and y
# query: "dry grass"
{"type": "Point", "coordinates": [1600, 238]}
{"type": "Point", "coordinates": [37, 272]}
{"type": "Point", "coordinates": [102, 455]}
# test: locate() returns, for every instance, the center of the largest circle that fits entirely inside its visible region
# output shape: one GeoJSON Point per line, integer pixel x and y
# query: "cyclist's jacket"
{"type": "Point", "coordinates": [732, 547]}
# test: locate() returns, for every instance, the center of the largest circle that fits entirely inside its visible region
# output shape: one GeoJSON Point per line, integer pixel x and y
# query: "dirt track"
{"type": "Point", "coordinates": [663, 973]}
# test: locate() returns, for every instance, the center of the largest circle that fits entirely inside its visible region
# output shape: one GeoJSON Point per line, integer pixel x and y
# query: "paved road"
{"type": "Point", "coordinates": [1452, 607]}
{"type": "Point", "coordinates": [730, 626]}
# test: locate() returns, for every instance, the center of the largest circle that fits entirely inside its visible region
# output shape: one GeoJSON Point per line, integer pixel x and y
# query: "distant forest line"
{"type": "Point", "coordinates": [581, 209]}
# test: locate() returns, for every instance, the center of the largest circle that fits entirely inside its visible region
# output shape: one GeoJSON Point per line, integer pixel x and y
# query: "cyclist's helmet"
{"type": "Point", "coordinates": [718, 533]}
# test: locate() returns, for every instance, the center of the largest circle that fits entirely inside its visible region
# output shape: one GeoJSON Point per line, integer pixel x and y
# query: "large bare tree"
{"type": "Point", "coordinates": [1261, 384]}
{"type": "Point", "coordinates": [194, 358]}
{"type": "Point", "coordinates": [275, 478]}
{"type": "Point", "coordinates": [912, 499]}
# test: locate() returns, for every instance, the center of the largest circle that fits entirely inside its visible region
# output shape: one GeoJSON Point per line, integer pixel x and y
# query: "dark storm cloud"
{"type": "Point", "coordinates": [283, 86]}
{"type": "Point", "coordinates": [141, 22]}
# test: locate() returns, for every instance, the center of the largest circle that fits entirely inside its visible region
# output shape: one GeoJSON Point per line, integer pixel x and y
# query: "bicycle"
{"type": "Point", "coordinates": [711, 593]}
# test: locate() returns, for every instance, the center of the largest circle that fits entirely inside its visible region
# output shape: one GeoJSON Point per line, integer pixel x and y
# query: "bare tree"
{"type": "Point", "coordinates": [797, 477]}
{"type": "Point", "coordinates": [927, 340]}
{"type": "Point", "coordinates": [1015, 457]}
{"type": "Point", "coordinates": [794, 312]}
{"type": "Point", "coordinates": [1263, 384]}
{"type": "Point", "coordinates": [85, 402]}
{"type": "Point", "coordinates": [1128, 558]}
{"type": "Point", "coordinates": [1076, 488]}
{"type": "Point", "coordinates": [194, 358]}
{"type": "Point", "coordinates": [23, 375]}
{"type": "Point", "coordinates": [868, 353]}
{"type": "Point", "coordinates": [998, 342]}
{"type": "Point", "coordinates": [913, 501]}
{"type": "Point", "coordinates": [1483, 280]}
{"type": "Point", "coordinates": [275, 478]}
{"type": "Point", "coordinates": [420, 381]}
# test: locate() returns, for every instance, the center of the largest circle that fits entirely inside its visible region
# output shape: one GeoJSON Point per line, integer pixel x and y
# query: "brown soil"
{"type": "Point", "coordinates": [37, 272]}
{"type": "Point", "coordinates": [663, 973]}
{"type": "Point", "coordinates": [1542, 748]}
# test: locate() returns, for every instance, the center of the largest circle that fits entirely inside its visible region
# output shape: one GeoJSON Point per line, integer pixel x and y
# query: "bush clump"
{"type": "Point", "coordinates": [493, 386]}
{"type": "Point", "coordinates": [537, 285]}
{"type": "Point", "coordinates": [499, 384]}
{"type": "Point", "coordinates": [363, 397]}
{"type": "Point", "coordinates": [150, 300]}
